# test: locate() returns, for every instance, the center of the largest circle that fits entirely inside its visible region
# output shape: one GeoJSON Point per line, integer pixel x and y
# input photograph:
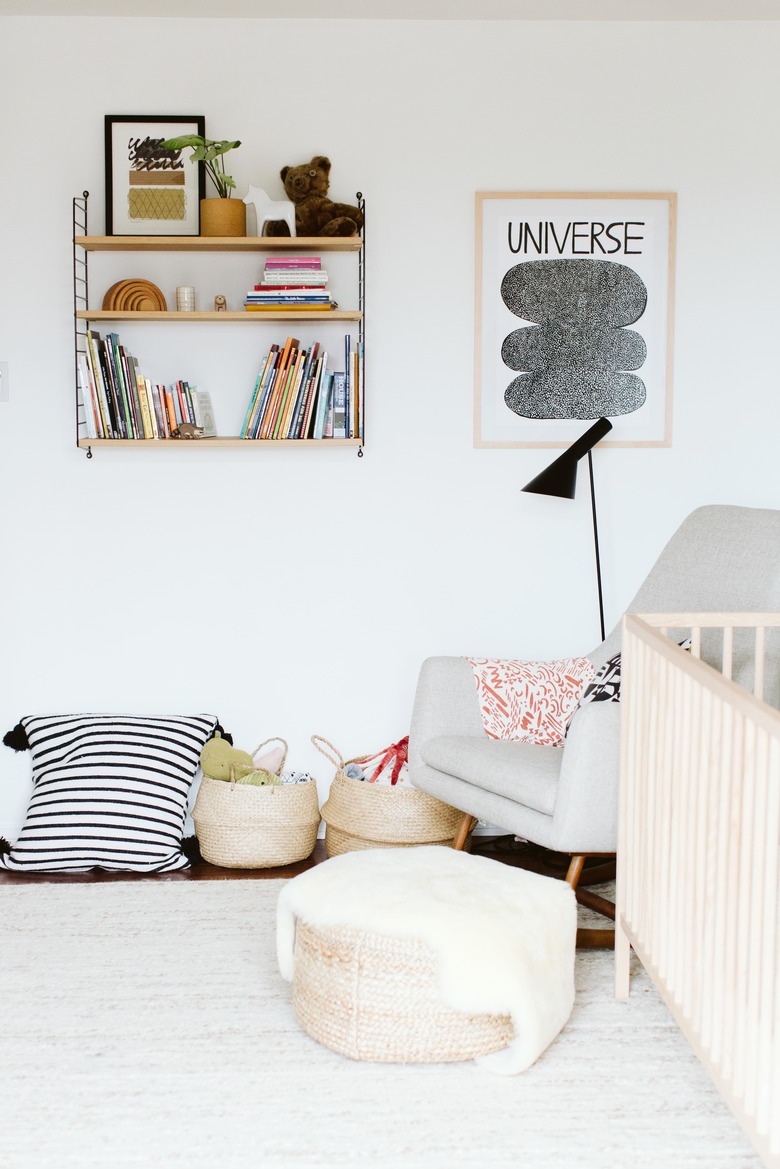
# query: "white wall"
{"type": "Point", "coordinates": [295, 592]}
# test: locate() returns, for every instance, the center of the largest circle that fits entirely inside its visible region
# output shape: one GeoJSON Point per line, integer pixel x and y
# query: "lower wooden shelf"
{"type": "Point", "coordinates": [219, 442]}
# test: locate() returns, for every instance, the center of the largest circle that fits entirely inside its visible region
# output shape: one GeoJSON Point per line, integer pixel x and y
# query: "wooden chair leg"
{"type": "Point", "coordinates": [467, 822]}
{"type": "Point", "coordinates": [588, 939]}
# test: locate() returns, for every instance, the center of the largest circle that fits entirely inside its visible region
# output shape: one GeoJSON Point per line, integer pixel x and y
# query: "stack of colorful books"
{"type": "Point", "coordinates": [296, 396]}
{"type": "Point", "coordinates": [119, 402]}
{"type": "Point", "coordinates": [291, 283]}
{"type": "Point", "coordinates": [291, 394]}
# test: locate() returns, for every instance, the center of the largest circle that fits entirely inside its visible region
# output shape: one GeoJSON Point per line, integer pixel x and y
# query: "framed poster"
{"type": "Point", "coordinates": [151, 190]}
{"type": "Point", "coordinates": [574, 316]}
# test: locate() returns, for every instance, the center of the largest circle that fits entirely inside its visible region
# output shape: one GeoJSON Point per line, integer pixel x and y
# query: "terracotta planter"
{"type": "Point", "coordinates": [223, 217]}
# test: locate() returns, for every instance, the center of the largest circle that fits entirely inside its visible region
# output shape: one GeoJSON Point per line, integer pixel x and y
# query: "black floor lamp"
{"type": "Point", "coordinates": [560, 479]}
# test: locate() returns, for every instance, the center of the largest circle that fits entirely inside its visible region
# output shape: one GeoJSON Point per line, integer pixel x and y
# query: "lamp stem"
{"type": "Point", "coordinates": [596, 544]}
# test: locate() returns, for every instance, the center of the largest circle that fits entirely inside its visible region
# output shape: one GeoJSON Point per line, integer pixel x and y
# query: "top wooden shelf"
{"type": "Point", "coordinates": [218, 243]}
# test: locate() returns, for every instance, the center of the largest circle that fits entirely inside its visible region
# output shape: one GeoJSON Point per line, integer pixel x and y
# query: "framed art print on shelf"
{"type": "Point", "coordinates": [151, 190]}
{"type": "Point", "coordinates": [574, 317]}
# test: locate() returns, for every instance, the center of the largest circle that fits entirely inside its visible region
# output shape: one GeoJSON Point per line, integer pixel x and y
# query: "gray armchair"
{"type": "Point", "coordinates": [565, 799]}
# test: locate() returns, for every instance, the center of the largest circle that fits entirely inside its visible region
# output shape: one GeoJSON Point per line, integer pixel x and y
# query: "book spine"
{"type": "Point", "coordinates": [170, 407]}
{"type": "Point", "coordinates": [325, 306]}
{"type": "Point", "coordinates": [323, 396]}
{"type": "Point", "coordinates": [152, 408]}
{"type": "Point", "coordinates": [339, 405]}
{"type": "Point", "coordinates": [189, 403]}
{"type": "Point", "coordinates": [291, 276]}
{"type": "Point", "coordinates": [97, 374]}
{"type": "Point", "coordinates": [282, 262]}
{"type": "Point", "coordinates": [101, 430]}
{"type": "Point", "coordinates": [132, 389]}
{"type": "Point", "coordinates": [348, 387]}
{"type": "Point", "coordinates": [158, 397]}
{"type": "Point", "coordinates": [87, 399]}
{"type": "Point", "coordinates": [330, 408]}
{"type": "Point", "coordinates": [355, 426]}
{"type": "Point", "coordinates": [361, 405]}
{"type": "Point", "coordinates": [201, 400]}
{"type": "Point", "coordinates": [307, 414]}
{"type": "Point", "coordinates": [287, 296]}
{"type": "Point", "coordinates": [279, 288]}
{"type": "Point", "coordinates": [146, 416]}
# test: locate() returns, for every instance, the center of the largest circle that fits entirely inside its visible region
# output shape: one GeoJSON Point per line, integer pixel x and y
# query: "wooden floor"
{"type": "Point", "coordinates": [501, 848]}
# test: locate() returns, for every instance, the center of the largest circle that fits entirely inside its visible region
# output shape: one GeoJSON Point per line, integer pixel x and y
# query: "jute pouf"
{"type": "Point", "coordinates": [428, 955]}
{"type": "Point", "coordinates": [374, 997]}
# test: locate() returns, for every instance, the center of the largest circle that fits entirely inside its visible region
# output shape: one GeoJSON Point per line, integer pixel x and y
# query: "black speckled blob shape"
{"type": "Point", "coordinates": [574, 356]}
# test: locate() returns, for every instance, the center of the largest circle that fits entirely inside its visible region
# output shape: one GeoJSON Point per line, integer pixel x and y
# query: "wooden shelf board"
{"type": "Point", "coordinates": [219, 442]}
{"type": "Point", "coordinates": [220, 318]}
{"type": "Point", "coordinates": [205, 243]}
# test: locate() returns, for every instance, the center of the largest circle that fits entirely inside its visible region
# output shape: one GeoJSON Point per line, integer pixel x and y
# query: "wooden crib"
{"type": "Point", "coordinates": [697, 888]}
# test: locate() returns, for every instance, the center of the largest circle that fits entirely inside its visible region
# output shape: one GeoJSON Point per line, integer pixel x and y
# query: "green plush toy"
{"type": "Point", "coordinates": [257, 776]}
{"type": "Point", "coordinates": [217, 758]}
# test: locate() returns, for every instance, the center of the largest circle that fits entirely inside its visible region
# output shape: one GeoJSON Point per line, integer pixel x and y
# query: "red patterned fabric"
{"type": "Point", "coordinates": [530, 702]}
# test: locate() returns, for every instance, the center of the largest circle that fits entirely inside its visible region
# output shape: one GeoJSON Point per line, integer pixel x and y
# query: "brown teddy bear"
{"type": "Point", "coordinates": [307, 187]}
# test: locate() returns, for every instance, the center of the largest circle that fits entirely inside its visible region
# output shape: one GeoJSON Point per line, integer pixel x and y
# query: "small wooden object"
{"type": "Point", "coordinates": [134, 296]}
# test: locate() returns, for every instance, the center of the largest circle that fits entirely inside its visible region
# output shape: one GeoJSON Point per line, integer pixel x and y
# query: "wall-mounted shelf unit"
{"type": "Point", "coordinates": [84, 315]}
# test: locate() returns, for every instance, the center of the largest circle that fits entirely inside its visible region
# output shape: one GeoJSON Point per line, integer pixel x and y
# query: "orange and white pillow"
{"type": "Point", "coordinates": [530, 702]}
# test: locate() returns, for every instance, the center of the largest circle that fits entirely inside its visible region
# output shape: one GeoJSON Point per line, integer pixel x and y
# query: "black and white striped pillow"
{"type": "Point", "coordinates": [109, 791]}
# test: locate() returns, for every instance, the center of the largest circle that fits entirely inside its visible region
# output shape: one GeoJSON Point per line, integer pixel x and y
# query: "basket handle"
{"type": "Point", "coordinates": [336, 758]}
{"type": "Point", "coordinates": [274, 739]}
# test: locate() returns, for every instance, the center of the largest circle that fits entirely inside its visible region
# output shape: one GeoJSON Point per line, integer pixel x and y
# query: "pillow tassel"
{"type": "Point", "coordinates": [17, 738]}
{"type": "Point", "coordinates": [191, 849]}
{"type": "Point", "coordinates": [5, 847]}
{"type": "Point", "coordinates": [220, 730]}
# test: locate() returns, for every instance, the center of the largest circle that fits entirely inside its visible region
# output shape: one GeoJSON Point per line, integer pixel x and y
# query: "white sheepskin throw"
{"type": "Point", "coordinates": [504, 938]}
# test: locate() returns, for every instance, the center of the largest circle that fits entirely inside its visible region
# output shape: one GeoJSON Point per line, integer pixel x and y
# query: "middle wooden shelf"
{"type": "Point", "coordinates": [265, 317]}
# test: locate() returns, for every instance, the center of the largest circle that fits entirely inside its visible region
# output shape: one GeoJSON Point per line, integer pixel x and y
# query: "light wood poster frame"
{"type": "Point", "coordinates": [517, 227]}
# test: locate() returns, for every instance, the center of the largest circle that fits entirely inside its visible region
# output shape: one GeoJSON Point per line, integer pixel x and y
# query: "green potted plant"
{"type": "Point", "coordinates": [223, 215]}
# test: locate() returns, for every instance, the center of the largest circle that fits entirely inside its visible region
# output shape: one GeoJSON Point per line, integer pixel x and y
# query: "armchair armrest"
{"type": "Point", "coordinates": [586, 807]}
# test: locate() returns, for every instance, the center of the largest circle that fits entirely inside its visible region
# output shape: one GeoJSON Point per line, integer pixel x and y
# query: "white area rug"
{"type": "Point", "coordinates": [145, 1025]}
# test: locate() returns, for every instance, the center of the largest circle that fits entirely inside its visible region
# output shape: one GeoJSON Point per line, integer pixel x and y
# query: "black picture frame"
{"type": "Point", "coordinates": [169, 203]}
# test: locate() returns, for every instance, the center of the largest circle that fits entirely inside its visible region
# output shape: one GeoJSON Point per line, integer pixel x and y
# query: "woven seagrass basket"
{"type": "Point", "coordinates": [240, 826]}
{"type": "Point", "coordinates": [374, 997]}
{"type": "Point", "coordinates": [371, 815]}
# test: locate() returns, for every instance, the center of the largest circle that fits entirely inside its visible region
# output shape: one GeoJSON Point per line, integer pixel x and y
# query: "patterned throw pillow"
{"type": "Point", "coordinates": [530, 702]}
{"type": "Point", "coordinates": [605, 686]}
{"type": "Point", "coordinates": [109, 791]}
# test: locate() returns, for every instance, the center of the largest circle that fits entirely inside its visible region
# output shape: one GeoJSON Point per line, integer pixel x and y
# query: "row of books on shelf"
{"type": "Point", "coordinates": [291, 282]}
{"type": "Point", "coordinates": [119, 402]}
{"type": "Point", "coordinates": [296, 396]}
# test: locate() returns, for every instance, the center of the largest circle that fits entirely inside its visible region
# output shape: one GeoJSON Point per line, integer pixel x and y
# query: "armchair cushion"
{"type": "Point", "coordinates": [524, 772]}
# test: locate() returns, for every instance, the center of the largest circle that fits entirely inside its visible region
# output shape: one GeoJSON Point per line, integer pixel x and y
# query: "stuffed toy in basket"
{"type": "Point", "coordinates": [380, 810]}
